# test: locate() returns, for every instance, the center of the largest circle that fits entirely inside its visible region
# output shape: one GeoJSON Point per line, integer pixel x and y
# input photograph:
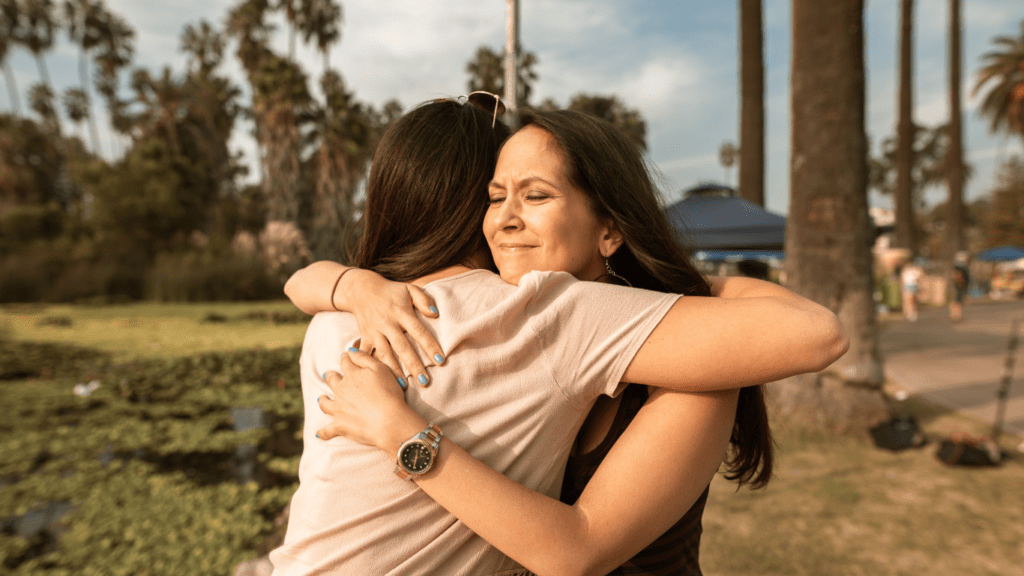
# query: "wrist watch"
{"type": "Point", "coordinates": [416, 455]}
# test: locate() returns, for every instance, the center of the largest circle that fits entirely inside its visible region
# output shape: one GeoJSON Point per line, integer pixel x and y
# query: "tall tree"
{"type": "Point", "coordinates": [321, 22]}
{"type": "Point", "coordinates": [610, 108]}
{"type": "Point", "coordinates": [1004, 221]}
{"type": "Point", "coordinates": [829, 232]}
{"type": "Point", "coordinates": [955, 174]}
{"type": "Point", "coordinates": [9, 17]}
{"type": "Point", "coordinates": [487, 72]}
{"type": "Point", "coordinates": [905, 236]}
{"type": "Point", "coordinates": [346, 138]}
{"type": "Point", "coordinates": [36, 33]}
{"type": "Point", "coordinates": [929, 157]}
{"type": "Point", "coordinates": [280, 103]}
{"type": "Point", "coordinates": [211, 100]}
{"type": "Point", "coordinates": [84, 25]}
{"type": "Point", "coordinates": [1003, 73]}
{"type": "Point", "coordinates": [163, 101]}
{"type": "Point", "coordinates": [113, 55]}
{"type": "Point", "coordinates": [751, 182]}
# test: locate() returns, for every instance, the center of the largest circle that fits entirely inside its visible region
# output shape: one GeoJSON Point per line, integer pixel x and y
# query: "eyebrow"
{"type": "Point", "coordinates": [524, 182]}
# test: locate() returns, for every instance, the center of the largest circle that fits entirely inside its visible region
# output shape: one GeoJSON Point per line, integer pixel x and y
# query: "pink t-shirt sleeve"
{"type": "Point", "coordinates": [591, 331]}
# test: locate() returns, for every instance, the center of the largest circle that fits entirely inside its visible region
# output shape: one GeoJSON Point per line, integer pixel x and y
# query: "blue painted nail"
{"type": "Point", "coordinates": [351, 349]}
{"type": "Point", "coordinates": [433, 309]}
{"type": "Point", "coordinates": [317, 434]}
{"type": "Point", "coordinates": [403, 383]}
{"type": "Point", "coordinates": [439, 358]}
{"type": "Point", "coordinates": [422, 379]}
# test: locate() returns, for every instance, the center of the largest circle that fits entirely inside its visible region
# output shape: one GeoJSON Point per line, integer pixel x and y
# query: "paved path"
{"type": "Point", "coordinates": [959, 366]}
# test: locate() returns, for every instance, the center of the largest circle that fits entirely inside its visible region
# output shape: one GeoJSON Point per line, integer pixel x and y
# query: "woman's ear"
{"type": "Point", "coordinates": [611, 238]}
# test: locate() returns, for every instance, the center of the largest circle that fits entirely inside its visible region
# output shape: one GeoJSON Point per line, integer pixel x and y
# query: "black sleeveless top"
{"type": "Point", "coordinates": [674, 553]}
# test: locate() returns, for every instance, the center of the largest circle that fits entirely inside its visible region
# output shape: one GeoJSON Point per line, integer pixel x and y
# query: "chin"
{"type": "Point", "coordinates": [513, 276]}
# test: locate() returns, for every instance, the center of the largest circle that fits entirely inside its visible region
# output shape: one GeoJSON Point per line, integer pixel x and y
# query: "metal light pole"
{"type": "Point", "coordinates": [511, 59]}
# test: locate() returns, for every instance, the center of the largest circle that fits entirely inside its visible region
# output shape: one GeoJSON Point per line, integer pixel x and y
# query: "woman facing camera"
{"type": "Point", "coordinates": [529, 354]}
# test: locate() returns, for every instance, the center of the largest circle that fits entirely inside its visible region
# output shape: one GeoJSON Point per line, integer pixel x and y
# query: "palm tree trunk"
{"type": "Point", "coordinates": [751, 182]}
{"type": "Point", "coordinates": [83, 79]}
{"type": "Point", "coordinates": [12, 88]}
{"type": "Point", "coordinates": [954, 167]}
{"type": "Point", "coordinates": [829, 233]}
{"type": "Point", "coordinates": [905, 237]}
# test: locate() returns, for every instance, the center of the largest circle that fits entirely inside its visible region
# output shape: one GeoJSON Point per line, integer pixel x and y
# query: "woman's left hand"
{"type": "Point", "coordinates": [368, 405]}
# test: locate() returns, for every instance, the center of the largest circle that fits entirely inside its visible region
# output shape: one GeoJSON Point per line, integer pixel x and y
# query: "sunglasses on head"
{"type": "Point", "coordinates": [490, 103]}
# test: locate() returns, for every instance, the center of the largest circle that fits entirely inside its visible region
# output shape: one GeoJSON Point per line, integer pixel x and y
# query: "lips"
{"type": "Point", "coordinates": [513, 247]}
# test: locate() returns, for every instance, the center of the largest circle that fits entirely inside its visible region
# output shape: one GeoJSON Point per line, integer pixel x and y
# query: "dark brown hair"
{"type": "Point", "coordinates": [427, 190]}
{"type": "Point", "coordinates": [609, 167]}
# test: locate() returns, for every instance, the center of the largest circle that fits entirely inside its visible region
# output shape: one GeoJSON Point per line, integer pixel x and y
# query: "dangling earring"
{"type": "Point", "coordinates": [611, 272]}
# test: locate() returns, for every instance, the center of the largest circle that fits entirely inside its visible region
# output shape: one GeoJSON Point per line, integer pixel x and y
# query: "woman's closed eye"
{"type": "Point", "coordinates": [495, 199]}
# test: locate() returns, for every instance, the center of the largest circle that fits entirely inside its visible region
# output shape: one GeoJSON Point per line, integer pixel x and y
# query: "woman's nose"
{"type": "Point", "coordinates": [508, 215]}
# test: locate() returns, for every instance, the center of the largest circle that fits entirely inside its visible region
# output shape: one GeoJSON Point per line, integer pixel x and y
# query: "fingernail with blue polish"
{"type": "Point", "coordinates": [438, 358]}
{"type": "Point", "coordinates": [433, 309]}
{"type": "Point", "coordinates": [403, 383]}
{"type": "Point", "coordinates": [325, 375]}
{"type": "Point", "coordinates": [422, 379]}
{"type": "Point", "coordinates": [317, 434]}
{"type": "Point", "coordinates": [351, 349]}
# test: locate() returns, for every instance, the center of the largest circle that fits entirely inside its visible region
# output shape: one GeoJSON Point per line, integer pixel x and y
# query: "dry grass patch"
{"type": "Point", "coordinates": [842, 506]}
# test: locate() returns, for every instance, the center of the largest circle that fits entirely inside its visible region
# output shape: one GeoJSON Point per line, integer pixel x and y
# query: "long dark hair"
{"type": "Point", "coordinates": [609, 167]}
{"type": "Point", "coordinates": [432, 164]}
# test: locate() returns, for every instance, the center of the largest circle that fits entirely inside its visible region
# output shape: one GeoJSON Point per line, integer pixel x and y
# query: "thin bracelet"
{"type": "Point", "coordinates": [336, 282]}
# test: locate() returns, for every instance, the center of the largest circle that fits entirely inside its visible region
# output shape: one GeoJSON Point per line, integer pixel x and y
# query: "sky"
{"type": "Point", "coordinates": [675, 61]}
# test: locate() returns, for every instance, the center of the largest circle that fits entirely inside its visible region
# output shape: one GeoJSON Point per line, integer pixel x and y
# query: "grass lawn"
{"type": "Point", "coordinates": [151, 330]}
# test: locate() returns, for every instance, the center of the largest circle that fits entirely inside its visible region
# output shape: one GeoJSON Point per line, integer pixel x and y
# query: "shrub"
{"type": "Point", "coordinates": [204, 277]}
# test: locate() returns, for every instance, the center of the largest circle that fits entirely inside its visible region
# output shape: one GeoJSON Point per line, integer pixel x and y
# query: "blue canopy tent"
{"type": "Point", "coordinates": [720, 226]}
{"type": "Point", "coordinates": [1001, 254]}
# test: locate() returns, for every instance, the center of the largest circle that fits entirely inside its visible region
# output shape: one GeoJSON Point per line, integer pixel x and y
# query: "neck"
{"type": "Point", "coordinates": [442, 273]}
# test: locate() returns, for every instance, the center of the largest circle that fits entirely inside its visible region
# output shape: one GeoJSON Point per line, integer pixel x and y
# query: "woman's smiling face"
{"type": "Point", "coordinates": [537, 220]}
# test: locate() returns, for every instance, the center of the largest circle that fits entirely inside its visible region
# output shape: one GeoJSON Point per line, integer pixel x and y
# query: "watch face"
{"type": "Point", "coordinates": [416, 458]}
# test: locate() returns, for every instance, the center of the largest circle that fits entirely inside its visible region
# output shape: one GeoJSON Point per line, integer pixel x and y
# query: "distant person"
{"type": "Point", "coordinates": [910, 278]}
{"type": "Point", "coordinates": [961, 277]}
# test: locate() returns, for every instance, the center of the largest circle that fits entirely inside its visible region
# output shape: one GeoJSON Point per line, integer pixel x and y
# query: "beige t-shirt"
{"type": "Point", "coordinates": [525, 364]}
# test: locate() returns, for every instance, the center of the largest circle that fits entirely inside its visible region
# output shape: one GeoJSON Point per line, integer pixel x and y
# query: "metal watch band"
{"type": "Point", "coordinates": [431, 438]}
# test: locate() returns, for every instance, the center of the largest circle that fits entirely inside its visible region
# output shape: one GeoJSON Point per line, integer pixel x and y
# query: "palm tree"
{"type": "Point", "coordinates": [610, 108]}
{"type": "Point", "coordinates": [9, 18]}
{"type": "Point", "coordinates": [113, 55]}
{"type": "Point", "coordinates": [345, 134]}
{"type": "Point", "coordinates": [163, 102]}
{"type": "Point", "coordinates": [204, 46]}
{"type": "Point", "coordinates": [751, 181]}
{"type": "Point", "coordinates": [1003, 72]}
{"type": "Point", "coordinates": [829, 232]}
{"type": "Point", "coordinates": [84, 19]}
{"type": "Point", "coordinates": [76, 105]}
{"type": "Point", "coordinates": [487, 72]}
{"type": "Point", "coordinates": [954, 165]}
{"type": "Point", "coordinates": [37, 33]}
{"type": "Point", "coordinates": [321, 21]}
{"type": "Point", "coordinates": [905, 237]}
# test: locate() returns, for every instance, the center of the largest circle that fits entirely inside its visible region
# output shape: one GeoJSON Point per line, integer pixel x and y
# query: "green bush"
{"type": "Point", "coordinates": [206, 277]}
{"type": "Point", "coordinates": [145, 460]}
{"type": "Point", "coordinates": [27, 223]}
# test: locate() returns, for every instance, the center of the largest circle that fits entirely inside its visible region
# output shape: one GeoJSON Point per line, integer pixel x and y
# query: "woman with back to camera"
{"type": "Point", "coordinates": [555, 203]}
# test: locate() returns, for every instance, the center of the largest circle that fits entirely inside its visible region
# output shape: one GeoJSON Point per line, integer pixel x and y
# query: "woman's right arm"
{"type": "Point", "coordinates": [384, 311]}
{"type": "Point", "coordinates": [749, 332]}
